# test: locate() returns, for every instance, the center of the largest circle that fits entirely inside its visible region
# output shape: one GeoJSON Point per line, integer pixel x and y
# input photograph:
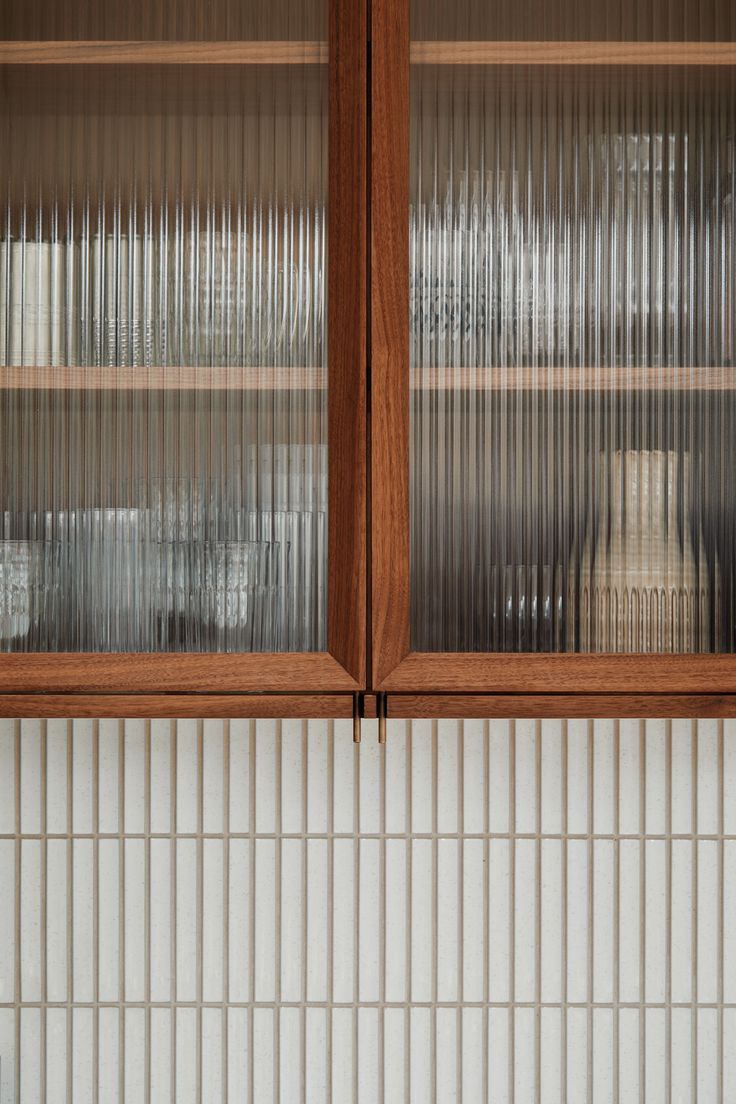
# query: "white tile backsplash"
{"type": "Point", "coordinates": [486, 911]}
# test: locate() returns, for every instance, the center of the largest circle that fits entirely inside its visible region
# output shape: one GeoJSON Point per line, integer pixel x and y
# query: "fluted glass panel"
{"type": "Point", "coordinates": [182, 20]}
{"type": "Point", "coordinates": [163, 478]}
{"type": "Point", "coordinates": [572, 343]}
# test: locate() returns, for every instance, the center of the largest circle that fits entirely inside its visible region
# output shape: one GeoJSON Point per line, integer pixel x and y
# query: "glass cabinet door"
{"type": "Point", "coordinates": [570, 359]}
{"type": "Point", "coordinates": [164, 269]}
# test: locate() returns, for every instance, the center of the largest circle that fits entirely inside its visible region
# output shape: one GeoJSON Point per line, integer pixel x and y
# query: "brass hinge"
{"type": "Point", "coordinates": [367, 706]}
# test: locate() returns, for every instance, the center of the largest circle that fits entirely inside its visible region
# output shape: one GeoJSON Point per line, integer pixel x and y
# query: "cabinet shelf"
{"type": "Point", "coordinates": [162, 379]}
{"type": "Point", "coordinates": [162, 53]}
{"type": "Point", "coordinates": [573, 53]}
{"type": "Point", "coordinates": [574, 379]}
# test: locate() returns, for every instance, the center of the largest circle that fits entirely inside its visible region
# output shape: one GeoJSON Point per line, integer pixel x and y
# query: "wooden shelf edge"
{"type": "Point", "coordinates": [560, 673]}
{"type": "Point", "coordinates": [170, 673]}
{"type": "Point", "coordinates": [572, 53]}
{"type": "Point", "coordinates": [162, 53]}
{"type": "Point", "coordinates": [162, 379]}
{"type": "Point", "coordinates": [555, 378]}
{"type": "Point", "coordinates": [174, 706]}
{"type": "Point", "coordinates": [570, 706]}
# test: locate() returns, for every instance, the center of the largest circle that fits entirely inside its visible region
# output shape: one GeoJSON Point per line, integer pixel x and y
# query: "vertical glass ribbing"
{"type": "Point", "coordinates": [163, 468]}
{"type": "Point", "coordinates": [247, 912]}
{"type": "Point", "coordinates": [572, 309]}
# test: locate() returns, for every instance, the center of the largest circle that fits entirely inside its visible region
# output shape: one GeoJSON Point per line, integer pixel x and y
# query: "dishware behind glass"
{"type": "Point", "coordinates": [29, 588]}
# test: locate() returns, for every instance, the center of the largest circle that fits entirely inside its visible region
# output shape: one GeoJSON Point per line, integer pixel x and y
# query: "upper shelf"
{"type": "Point", "coordinates": [162, 379]}
{"type": "Point", "coordinates": [573, 53]}
{"type": "Point", "coordinates": [163, 53]}
{"type": "Point", "coordinates": [556, 378]}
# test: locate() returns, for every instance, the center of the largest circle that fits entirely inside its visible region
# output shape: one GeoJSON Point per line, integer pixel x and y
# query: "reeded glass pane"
{"type": "Point", "coordinates": [163, 412]}
{"type": "Point", "coordinates": [572, 343]}
{"type": "Point", "coordinates": [182, 20]}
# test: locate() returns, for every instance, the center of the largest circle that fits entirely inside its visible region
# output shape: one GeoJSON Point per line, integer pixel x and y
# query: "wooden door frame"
{"type": "Point", "coordinates": [343, 666]}
{"type": "Point", "coordinates": [395, 667]}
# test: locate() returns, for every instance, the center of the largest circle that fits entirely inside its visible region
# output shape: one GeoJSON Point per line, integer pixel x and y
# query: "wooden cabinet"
{"type": "Point", "coordinates": [379, 349]}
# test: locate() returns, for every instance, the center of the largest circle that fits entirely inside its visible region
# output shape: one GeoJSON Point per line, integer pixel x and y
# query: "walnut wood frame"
{"type": "Point", "coordinates": [342, 668]}
{"type": "Point", "coordinates": [396, 669]}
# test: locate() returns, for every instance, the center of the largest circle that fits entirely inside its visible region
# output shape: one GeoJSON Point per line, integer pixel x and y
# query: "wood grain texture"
{"type": "Point", "coordinates": [573, 53]}
{"type": "Point", "coordinates": [164, 673]}
{"type": "Point", "coordinates": [347, 336]}
{"type": "Point", "coordinates": [520, 673]}
{"type": "Point", "coordinates": [62, 378]}
{"type": "Point", "coordinates": [162, 53]}
{"type": "Point", "coordinates": [389, 335]}
{"type": "Point", "coordinates": [561, 705]}
{"type": "Point", "coordinates": [227, 706]}
{"type": "Point", "coordinates": [554, 378]}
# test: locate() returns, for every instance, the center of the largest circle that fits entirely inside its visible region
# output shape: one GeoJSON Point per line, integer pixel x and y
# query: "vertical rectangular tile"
{"type": "Point", "coordinates": [213, 759]}
{"type": "Point", "coordinates": [186, 920]}
{"type": "Point", "coordinates": [10, 1059]}
{"type": "Point", "coordinates": [263, 1069]}
{"type": "Point", "coordinates": [56, 1060]}
{"type": "Point", "coordinates": [525, 935]}
{"type": "Point", "coordinates": [629, 916]}
{"type": "Point", "coordinates": [109, 1056]}
{"type": "Point", "coordinates": [396, 920]}
{"type": "Point", "coordinates": [30, 1058]}
{"type": "Point", "coordinates": [343, 786]}
{"type": "Point", "coordinates": [213, 930]}
{"type": "Point", "coordinates": [369, 921]}
{"type": "Point", "coordinates": [135, 775]}
{"type": "Point", "coordinates": [577, 920]}
{"type": "Point", "coordinates": [83, 1071]}
{"type": "Point", "coordinates": [396, 778]}
{"type": "Point", "coordinates": [187, 776]}
{"type": "Point", "coordinates": [395, 1058]}
{"type": "Point", "coordinates": [551, 776]}
{"type": "Point", "coordinates": [577, 776]}
{"type": "Point", "coordinates": [317, 777]}
{"type": "Point", "coordinates": [370, 760]}
{"type": "Point", "coordinates": [551, 926]}
{"type": "Point", "coordinates": [550, 1056]}
{"type": "Point", "coordinates": [421, 776]}
{"type": "Point", "coordinates": [577, 1056]}
{"type": "Point", "coordinates": [240, 774]}
{"type": "Point", "coordinates": [293, 853]}
{"type": "Point", "coordinates": [523, 1054]}
{"type": "Point", "coordinates": [708, 771]}
{"type": "Point", "coordinates": [186, 1056]}
{"type": "Point", "coordinates": [729, 776]}
{"type": "Point", "coordinates": [7, 778]}
{"type": "Point", "coordinates": [448, 932]}
{"type": "Point", "coordinates": [604, 791]}
{"type": "Point", "coordinates": [238, 1055]}
{"type": "Point", "coordinates": [473, 933]}
{"type": "Point", "coordinates": [57, 862]}
{"type": "Point", "coordinates": [291, 1073]}
{"type": "Point", "coordinates": [420, 1057]}
{"type": "Point", "coordinates": [343, 920]}
{"type": "Point", "coordinates": [499, 919]}
{"type": "Point", "coordinates": [265, 921]}
{"type": "Point", "coordinates": [729, 921]}
{"type": "Point", "coordinates": [108, 920]}
{"type": "Point", "coordinates": [448, 773]}
{"type": "Point", "coordinates": [445, 1053]}
{"type": "Point", "coordinates": [681, 1055]}
{"type": "Point", "coordinates": [499, 748]}
{"type": "Point", "coordinates": [317, 919]}
{"type": "Point", "coordinates": [83, 779]}
{"type": "Point", "coordinates": [8, 949]}
{"type": "Point", "coordinates": [368, 1068]}
{"type": "Point", "coordinates": [655, 1080]}
{"type": "Point", "coordinates": [239, 920]}
{"type": "Point", "coordinates": [212, 1039]}
{"type": "Point", "coordinates": [161, 1056]}
{"type": "Point", "coordinates": [30, 777]}
{"type": "Point", "coordinates": [473, 1054]}
{"type": "Point", "coordinates": [629, 767]}
{"type": "Point", "coordinates": [708, 921]}
{"type": "Point", "coordinates": [343, 1057]}
{"type": "Point", "coordinates": [525, 770]}
{"type": "Point", "coordinates": [56, 778]}
{"type": "Point", "coordinates": [83, 963]}
{"type": "Point", "coordinates": [655, 774]}
{"type": "Point", "coordinates": [498, 1055]}
{"type": "Point", "coordinates": [655, 921]}
{"type": "Point", "coordinates": [682, 920]}
{"type": "Point", "coordinates": [421, 921]}
{"type": "Point", "coordinates": [629, 1064]}
{"type": "Point", "coordinates": [603, 1056]}
{"type": "Point", "coordinates": [135, 920]}
{"type": "Point", "coordinates": [108, 772]}
{"type": "Point", "coordinates": [30, 934]}
{"type": "Point", "coordinates": [160, 776]}
{"type": "Point", "coordinates": [265, 769]}
{"type": "Point", "coordinates": [161, 920]}
{"type": "Point", "coordinates": [316, 1044]}
{"type": "Point", "coordinates": [682, 776]}
{"type": "Point", "coordinates": [603, 905]}
{"type": "Point", "coordinates": [292, 776]}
